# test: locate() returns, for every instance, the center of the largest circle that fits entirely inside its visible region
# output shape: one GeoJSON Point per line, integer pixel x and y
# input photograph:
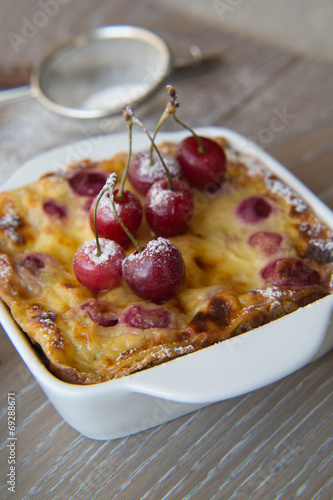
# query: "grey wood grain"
{"type": "Point", "coordinates": [274, 443]}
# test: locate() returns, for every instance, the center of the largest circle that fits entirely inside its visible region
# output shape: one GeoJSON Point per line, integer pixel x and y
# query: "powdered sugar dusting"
{"type": "Point", "coordinates": [254, 165]}
{"type": "Point", "coordinates": [312, 230]}
{"type": "Point", "coordinates": [175, 351]}
{"type": "Point", "coordinates": [321, 250]}
{"type": "Point", "coordinates": [278, 187]}
{"type": "Point", "coordinates": [47, 319]}
{"type": "Point", "coordinates": [160, 197]}
{"type": "Point", "coordinates": [5, 268]}
{"type": "Point", "coordinates": [111, 181]}
{"type": "Point", "coordinates": [156, 170]}
{"type": "Point", "coordinates": [105, 203]}
{"type": "Point", "coordinates": [108, 248]}
{"type": "Point", "coordinates": [324, 245]}
{"type": "Point", "coordinates": [10, 220]}
{"type": "Point", "coordinates": [272, 293]}
{"type": "Point", "coordinates": [160, 246]}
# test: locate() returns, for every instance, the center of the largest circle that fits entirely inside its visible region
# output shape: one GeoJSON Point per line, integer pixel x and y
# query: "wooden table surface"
{"type": "Point", "coordinates": [274, 443]}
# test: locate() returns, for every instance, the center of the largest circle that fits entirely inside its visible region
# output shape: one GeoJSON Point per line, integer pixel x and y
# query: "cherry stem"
{"type": "Point", "coordinates": [201, 147]}
{"type": "Point", "coordinates": [110, 186]}
{"type": "Point", "coordinates": [98, 247]}
{"type": "Point", "coordinates": [170, 109]}
{"type": "Point", "coordinates": [158, 126]}
{"type": "Point", "coordinates": [124, 177]}
{"type": "Point", "coordinates": [131, 118]}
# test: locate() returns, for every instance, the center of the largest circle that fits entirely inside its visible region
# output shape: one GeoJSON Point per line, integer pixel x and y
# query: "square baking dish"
{"type": "Point", "coordinates": [124, 406]}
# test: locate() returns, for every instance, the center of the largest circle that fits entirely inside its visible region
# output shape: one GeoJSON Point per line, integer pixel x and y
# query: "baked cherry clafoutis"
{"type": "Point", "coordinates": [253, 251]}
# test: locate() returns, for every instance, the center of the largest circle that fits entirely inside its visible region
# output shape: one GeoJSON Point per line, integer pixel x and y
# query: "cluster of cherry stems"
{"type": "Point", "coordinates": [155, 272]}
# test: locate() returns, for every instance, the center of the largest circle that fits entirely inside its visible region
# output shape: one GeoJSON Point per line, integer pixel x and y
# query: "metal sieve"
{"type": "Point", "coordinates": [95, 75]}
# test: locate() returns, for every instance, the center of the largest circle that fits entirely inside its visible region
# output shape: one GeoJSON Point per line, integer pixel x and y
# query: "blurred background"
{"type": "Point", "coordinates": [300, 25]}
{"type": "Point", "coordinates": [275, 59]}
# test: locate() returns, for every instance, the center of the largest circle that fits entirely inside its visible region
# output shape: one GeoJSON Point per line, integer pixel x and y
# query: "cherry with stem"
{"type": "Point", "coordinates": [169, 202]}
{"type": "Point", "coordinates": [170, 110]}
{"type": "Point", "coordinates": [155, 272]}
{"type": "Point", "coordinates": [202, 160]}
{"type": "Point", "coordinates": [147, 167]}
{"type": "Point", "coordinates": [128, 206]}
{"type": "Point", "coordinates": [130, 119]}
{"type": "Point", "coordinates": [110, 186]}
{"type": "Point", "coordinates": [97, 263]}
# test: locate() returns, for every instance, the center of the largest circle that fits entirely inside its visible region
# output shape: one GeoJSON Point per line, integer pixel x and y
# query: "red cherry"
{"type": "Point", "coordinates": [254, 209]}
{"type": "Point", "coordinates": [55, 209]}
{"type": "Point", "coordinates": [168, 211]}
{"type": "Point", "coordinates": [34, 262]}
{"type": "Point", "coordinates": [143, 174]}
{"type": "Point", "coordinates": [87, 182]}
{"type": "Point", "coordinates": [290, 271]}
{"type": "Point", "coordinates": [202, 169]}
{"type": "Point", "coordinates": [140, 317]}
{"type": "Point", "coordinates": [101, 272]}
{"type": "Point", "coordinates": [265, 241]}
{"type": "Point", "coordinates": [129, 210]}
{"type": "Point", "coordinates": [101, 312]}
{"type": "Point", "coordinates": [157, 272]}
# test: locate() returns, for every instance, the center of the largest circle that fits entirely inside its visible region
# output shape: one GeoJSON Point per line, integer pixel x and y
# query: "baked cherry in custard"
{"type": "Point", "coordinates": [139, 316]}
{"type": "Point", "coordinates": [254, 209]}
{"type": "Point", "coordinates": [290, 271]}
{"type": "Point", "coordinates": [267, 242]}
{"type": "Point", "coordinates": [87, 181]}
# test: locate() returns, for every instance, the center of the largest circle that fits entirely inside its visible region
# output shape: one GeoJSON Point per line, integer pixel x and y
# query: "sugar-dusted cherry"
{"type": "Point", "coordinates": [146, 168]}
{"type": "Point", "coordinates": [129, 209]}
{"type": "Point", "coordinates": [99, 269]}
{"type": "Point", "coordinates": [169, 201]}
{"type": "Point", "coordinates": [254, 209]}
{"type": "Point", "coordinates": [97, 264]}
{"type": "Point", "coordinates": [168, 211]}
{"type": "Point", "coordinates": [113, 211]}
{"type": "Point", "coordinates": [290, 271]}
{"type": "Point", "coordinates": [156, 272]}
{"type": "Point", "coordinates": [203, 162]}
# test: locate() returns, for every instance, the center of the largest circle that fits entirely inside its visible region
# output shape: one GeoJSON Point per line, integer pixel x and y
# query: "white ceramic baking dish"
{"type": "Point", "coordinates": [237, 366]}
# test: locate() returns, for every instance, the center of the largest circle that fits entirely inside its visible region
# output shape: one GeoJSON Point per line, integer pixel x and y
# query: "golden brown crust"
{"type": "Point", "coordinates": [88, 337]}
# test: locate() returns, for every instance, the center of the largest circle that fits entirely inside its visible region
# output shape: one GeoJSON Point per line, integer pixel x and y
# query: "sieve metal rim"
{"type": "Point", "coordinates": [100, 33]}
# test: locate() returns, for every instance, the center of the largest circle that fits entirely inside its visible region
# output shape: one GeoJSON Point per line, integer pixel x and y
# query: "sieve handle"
{"type": "Point", "coordinates": [15, 93]}
{"type": "Point", "coordinates": [190, 54]}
